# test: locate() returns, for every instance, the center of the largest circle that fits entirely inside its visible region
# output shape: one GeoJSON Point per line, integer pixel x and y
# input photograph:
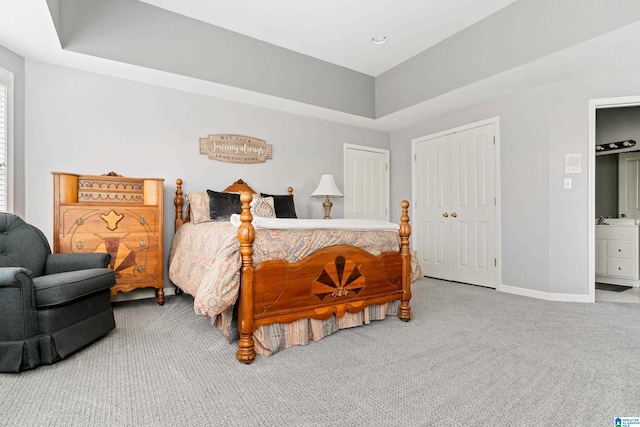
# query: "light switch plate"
{"type": "Point", "coordinates": [567, 183]}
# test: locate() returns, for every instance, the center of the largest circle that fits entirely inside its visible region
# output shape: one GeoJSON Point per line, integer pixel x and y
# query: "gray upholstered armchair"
{"type": "Point", "coordinates": [51, 305]}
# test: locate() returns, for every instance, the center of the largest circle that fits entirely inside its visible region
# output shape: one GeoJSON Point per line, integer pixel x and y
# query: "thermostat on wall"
{"type": "Point", "coordinates": [573, 163]}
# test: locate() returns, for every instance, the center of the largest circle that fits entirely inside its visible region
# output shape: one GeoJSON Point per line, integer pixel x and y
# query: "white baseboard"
{"type": "Point", "coordinates": [548, 296]}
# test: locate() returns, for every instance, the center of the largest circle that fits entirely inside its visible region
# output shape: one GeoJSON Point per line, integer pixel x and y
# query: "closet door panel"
{"type": "Point", "coordinates": [431, 213]}
{"type": "Point", "coordinates": [473, 206]}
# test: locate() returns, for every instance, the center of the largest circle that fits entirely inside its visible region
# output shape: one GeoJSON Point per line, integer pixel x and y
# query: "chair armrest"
{"type": "Point", "coordinates": [17, 304]}
{"type": "Point", "coordinates": [61, 263]}
{"type": "Point", "coordinates": [10, 277]}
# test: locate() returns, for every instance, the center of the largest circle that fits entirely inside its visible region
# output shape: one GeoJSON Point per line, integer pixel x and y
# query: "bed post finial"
{"type": "Point", "coordinates": [404, 312]}
{"type": "Point", "coordinates": [246, 234]}
{"type": "Point", "coordinates": [290, 190]}
{"type": "Point", "coordinates": [178, 202]}
{"type": "Point", "coordinates": [405, 227]}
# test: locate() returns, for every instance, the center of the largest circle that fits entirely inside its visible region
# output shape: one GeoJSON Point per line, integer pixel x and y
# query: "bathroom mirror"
{"type": "Point", "coordinates": [618, 184]}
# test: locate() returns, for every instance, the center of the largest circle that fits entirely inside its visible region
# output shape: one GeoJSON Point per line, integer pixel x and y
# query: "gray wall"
{"type": "Point", "coordinates": [181, 45]}
{"type": "Point", "coordinates": [520, 33]}
{"type": "Point", "coordinates": [544, 227]}
{"type": "Point", "coordinates": [618, 124]}
{"type": "Point", "coordinates": [524, 173]}
{"type": "Point", "coordinates": [87, 123]}
{"type": "Point", "coordinates": [15, 63]}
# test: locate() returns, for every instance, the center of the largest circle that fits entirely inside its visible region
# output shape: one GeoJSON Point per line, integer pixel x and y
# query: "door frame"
{"type": "Point", "coordinates": [496, 122]}
{"type": "Point", "coordinates": [597, 104]}
{"type": "Point", "coordinates": [346, 148]}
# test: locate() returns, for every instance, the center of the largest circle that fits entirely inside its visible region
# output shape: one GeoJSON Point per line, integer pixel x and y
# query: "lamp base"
{"type": "Point", "coordinates": [327, 208]}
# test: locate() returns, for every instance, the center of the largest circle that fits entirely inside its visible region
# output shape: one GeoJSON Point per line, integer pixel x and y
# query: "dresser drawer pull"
{"type": "Point", "coordinates": [79, 245]}
{"type": "Point", "coordinates": [619, 250]}
{"type": "Point", "coordinates": [142, 243]}
{"type": "Point", "coordinates": [620, 268]}
{"type": "Point", "coordinates": [79, 221]}
{"type": "Point", "coordinates": [143, 221]}
{"type": "Point", "coordinates": [140, 269]}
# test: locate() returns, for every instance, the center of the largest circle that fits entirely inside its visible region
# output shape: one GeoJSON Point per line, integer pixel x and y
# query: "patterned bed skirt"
{"type": "Point", "coordinates": [270, 339]}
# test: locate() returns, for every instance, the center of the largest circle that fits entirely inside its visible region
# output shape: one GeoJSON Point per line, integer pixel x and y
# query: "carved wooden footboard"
{"type": "Point", "coordinates": [331, 281]}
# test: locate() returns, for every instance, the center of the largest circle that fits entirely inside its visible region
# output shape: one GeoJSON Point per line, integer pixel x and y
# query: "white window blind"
{"type": "Point", "coordinates": [4, 138]}
{"type": "Point", "coordinates": [6, 141]}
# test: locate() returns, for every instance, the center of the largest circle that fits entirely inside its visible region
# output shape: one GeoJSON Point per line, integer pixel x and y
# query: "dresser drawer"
{"type": "Point", "coordinates": [135, 257]}
{"type": "Point", "coordinates": [622, 268]}
{"type": "Point", "coordinates": [621, 249]}
{"type": "Point", "coordinates": [108, 219]}
{"type": "Point", "coordinates": [613, 232]}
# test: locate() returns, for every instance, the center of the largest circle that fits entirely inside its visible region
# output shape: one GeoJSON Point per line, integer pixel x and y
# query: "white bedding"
{"type": "Point", "coordinates": [317, 224]}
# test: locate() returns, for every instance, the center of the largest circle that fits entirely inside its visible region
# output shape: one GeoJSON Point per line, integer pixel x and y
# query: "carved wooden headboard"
{"type": "Point", "coordinates": [183, 216]}
{"type": "Point", "coordinates": [239, 187]}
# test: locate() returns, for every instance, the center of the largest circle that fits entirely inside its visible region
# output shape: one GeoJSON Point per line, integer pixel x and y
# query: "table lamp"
{"type": "Point", "coordinates": [327, 188]}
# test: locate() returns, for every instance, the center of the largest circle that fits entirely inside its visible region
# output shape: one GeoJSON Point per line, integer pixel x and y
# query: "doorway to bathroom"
{"type": "Point", "coordinates": [614, 159]}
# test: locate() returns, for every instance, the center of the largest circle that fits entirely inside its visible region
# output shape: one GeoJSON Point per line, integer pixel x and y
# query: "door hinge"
{"type": "Point", "coordinates": [495, 262]}
{"type": "Point", "coordinates": [494, 140]}
{"type": "Point", "coordinates": [415, 157]}
{"type": "Point", "coordinates": [386, 166]}
{"type": "Point", "coordinates": [495, 201]}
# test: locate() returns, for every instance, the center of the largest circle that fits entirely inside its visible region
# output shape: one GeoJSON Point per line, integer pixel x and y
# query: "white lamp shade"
{"type": "Point", "coordinates": [327, 187]}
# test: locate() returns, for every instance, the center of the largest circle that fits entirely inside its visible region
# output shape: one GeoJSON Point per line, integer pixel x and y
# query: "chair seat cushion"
{"type": "Point", "coordinates": [62, 288]}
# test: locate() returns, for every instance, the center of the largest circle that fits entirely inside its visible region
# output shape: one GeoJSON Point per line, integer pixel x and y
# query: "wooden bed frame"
{"type": "Point", "coordinates": [332, 280]}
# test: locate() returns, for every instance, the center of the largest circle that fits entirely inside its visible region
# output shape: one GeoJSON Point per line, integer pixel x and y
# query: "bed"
{"type": "Point", "coordinates": [286, 282]}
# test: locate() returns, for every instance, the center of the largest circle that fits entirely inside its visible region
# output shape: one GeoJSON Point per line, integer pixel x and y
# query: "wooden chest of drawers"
{"type": "Point", "coordinates": [118, 215]}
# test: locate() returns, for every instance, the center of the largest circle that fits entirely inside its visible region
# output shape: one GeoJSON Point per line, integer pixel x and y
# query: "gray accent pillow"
{"type": "Point", "coordinates": [223, 205]}
{"type": "Point", "coordinates": [285, 208]}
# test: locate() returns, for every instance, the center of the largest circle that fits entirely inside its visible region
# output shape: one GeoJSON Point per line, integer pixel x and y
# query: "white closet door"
{"type": "Point", "coordinates": [366, 182]}
{"type": "Point", "coordinates": [455, 230]}
{"type": "Point", "coordinates": [431, 222]}
{"type": "Point", "coordinates": [473, 206]}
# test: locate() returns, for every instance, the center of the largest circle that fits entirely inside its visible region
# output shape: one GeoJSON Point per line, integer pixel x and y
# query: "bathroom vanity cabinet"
{"type": "Point", "coordinates": [617, 254]}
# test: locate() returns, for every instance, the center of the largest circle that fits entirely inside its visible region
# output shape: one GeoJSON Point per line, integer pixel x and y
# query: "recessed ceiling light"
{"type": "Point", "coordinates": [378, 39]}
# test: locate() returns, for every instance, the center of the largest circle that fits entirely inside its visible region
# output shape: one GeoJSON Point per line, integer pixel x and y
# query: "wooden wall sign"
{"type": "Point", "coordinates": [235, 148]}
